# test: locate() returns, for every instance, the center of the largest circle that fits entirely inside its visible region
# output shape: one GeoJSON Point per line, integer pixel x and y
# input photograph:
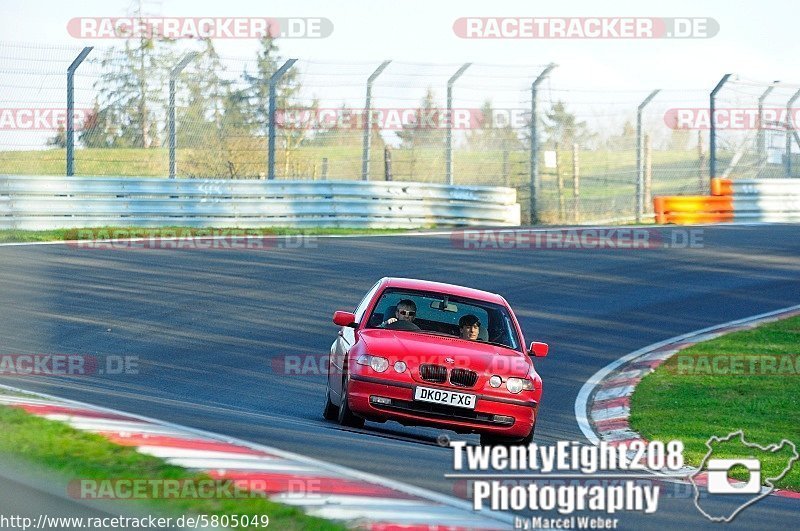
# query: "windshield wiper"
{"type": "Point", "coordinates": [436, 332]}
{"type": "Point", "coordinates": [495, 343]}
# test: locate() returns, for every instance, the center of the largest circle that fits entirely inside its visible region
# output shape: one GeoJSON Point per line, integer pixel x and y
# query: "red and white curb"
{"type": "Point", "coordinates": [603, 404]}
{"type": "Point", "coordinates": [363, 501]}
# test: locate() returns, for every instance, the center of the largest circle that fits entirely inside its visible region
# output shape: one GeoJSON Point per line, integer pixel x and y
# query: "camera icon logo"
{"type": "Point", "coordinates": [718, 476]}
{"type": "Point", "coordinates": [758, 485]}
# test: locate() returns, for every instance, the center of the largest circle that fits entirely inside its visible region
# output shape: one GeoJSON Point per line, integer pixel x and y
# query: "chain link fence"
{"type": "Point", "coordinates": [600, 155]}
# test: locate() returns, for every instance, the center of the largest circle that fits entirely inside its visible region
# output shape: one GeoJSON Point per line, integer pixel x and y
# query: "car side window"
{"type": "Point", "coordinates": [362, 307]}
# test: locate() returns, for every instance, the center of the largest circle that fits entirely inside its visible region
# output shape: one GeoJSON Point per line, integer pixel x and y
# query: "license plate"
{"type": "Point", "coordinates": [442, 396]}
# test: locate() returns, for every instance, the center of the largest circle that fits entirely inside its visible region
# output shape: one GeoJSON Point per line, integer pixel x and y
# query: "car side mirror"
{"type": "Point", "coordinates": [344, 318]}
{"type": "Point", "coordinates": [539, 349]}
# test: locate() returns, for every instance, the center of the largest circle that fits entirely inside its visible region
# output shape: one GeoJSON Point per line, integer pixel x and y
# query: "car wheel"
{"type": "Point", "coordinates": [330, 412]}
{"type": "Point", "coordinates": [494, 440]}
{"type": "Point", "coordinates": [346, 416]}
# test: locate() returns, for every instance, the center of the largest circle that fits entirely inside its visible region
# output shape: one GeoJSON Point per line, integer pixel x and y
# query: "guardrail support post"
{"type": "Point", "coordinates": [712, 134]}
{"type": "Point", "coordinates": [448, 170]}
{"type": "Point", "coordinates": [173, 76]}
{"type": "Point", "coordinates": [790, 131]}
{"type": "Point", "coordinates": [367, 144]}
{"type": "Point", "coordinates": [760, 142]}
{"type": "Point", "coordinates": [71, 108]}
{"type": "Point", "coordinates": [640, 156]}
{"type": "Point", "coordinates": [535, 184]}
{"type": "Point", "coordinates": [273, 83]}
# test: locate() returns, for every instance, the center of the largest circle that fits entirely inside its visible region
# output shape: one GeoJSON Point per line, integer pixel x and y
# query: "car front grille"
{"type": "Point", "coordinates": [438, 374]}
{"type": "Point", "coordinates": [463, 377]}
{"type": "Point", "coordinates": [433, 373]}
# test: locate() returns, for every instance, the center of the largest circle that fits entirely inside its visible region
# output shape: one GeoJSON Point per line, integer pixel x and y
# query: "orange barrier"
{"type": "Point", "coordinates": [720, 186]}
{"type": "Point", "coordinates": [691, 218]}
{"type": "Point", "coordinates": [688, 209]}
{"type": "Point", "coordinates": [773, 200]}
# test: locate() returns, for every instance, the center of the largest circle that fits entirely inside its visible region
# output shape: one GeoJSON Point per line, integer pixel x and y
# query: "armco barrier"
{"type": "Point", "coordinates": [746, 200]}
{"type": "Point", "coordinates": [50, 202]}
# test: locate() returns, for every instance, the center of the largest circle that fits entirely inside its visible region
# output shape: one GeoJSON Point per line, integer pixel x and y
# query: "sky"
{"type": "Point", "coordinates": [757, 40]}
{"type": "Point", "coordinates": [602, 79]}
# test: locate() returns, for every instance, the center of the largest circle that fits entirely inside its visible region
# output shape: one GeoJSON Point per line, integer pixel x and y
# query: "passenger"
{"type": "Point", "coordinates": [469, 327]}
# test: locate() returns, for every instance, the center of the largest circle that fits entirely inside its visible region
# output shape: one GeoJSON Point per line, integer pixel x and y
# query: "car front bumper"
{"type": "Point", "coordinates": [505, 417]}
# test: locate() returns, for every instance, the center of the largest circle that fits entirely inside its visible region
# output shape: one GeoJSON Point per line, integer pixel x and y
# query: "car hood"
{"type": "Point", "coordinates": [420, 348]}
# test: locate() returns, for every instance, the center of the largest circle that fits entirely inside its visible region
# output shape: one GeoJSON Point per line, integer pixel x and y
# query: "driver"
{"type": "Point", "coordinates": [406, 311]}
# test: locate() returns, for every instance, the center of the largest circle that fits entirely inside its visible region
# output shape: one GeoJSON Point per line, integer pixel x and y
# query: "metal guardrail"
{"type": "Point", "coordinates": [49, 202]}
{"type": "Point", "coordinates": [767, 200]}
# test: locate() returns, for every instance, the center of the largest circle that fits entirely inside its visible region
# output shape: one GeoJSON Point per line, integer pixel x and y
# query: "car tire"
{"type": "Point", "coordinates": [346, 416]}
{"type": "Point", "coordinates": [494, 440]}
{"type": "Point", "coordinates": [330, 412]}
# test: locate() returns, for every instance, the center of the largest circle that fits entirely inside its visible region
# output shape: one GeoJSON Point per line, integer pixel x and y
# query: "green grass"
{"type": "Point", "coordinates": [692, 402]}
{"type": "Point", "coordinates": [22, 236]}
{"type": "Point", "coordinates": [81, 455]}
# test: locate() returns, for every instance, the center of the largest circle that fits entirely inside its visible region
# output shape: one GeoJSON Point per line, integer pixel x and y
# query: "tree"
{"type": "Point", "coordinates": [101, 129]}
{"type": "Point", "coordinates": [130, 93]}
{"type": "Point", "coordinates": [60, 138]}
{"type": "Point", "coordinates": [203, 115]}
{"type": "Point", "coordinates": [563, 128]}
{"type": "Point", "coordinates": [489, 135]}
{"type": "Point", "coordinates": [626, 140]}
{"type": "Point", "coordinates": [268, 61]}
{"type": "Point", "coordinates": [426, 130]}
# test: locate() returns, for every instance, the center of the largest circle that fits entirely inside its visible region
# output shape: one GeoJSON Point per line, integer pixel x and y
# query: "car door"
{"type": "Point", "coordinates": [345, 340]}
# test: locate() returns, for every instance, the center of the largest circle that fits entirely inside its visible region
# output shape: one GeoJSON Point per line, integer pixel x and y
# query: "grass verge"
{"type": "Point", "coordinates": [82, 455]}
{"type": "Point", "coordinates": [747, 380]}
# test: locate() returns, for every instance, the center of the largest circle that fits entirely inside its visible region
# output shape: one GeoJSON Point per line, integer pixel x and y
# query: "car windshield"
{"type": "Point", "coordinates": [442, 314]}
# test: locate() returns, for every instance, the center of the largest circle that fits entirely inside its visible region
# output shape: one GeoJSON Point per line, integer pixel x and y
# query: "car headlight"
{"type": "Point", "coordinates": [495, 381]}
{"type": "Point", "coordinates": [377, 363]}
{"type": "Point", "coordinates": [517, 385]}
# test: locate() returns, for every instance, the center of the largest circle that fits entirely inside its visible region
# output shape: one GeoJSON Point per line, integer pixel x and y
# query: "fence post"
{"type": "Point", "coordinates": [790, 131]}
{"type": "Point", "coordinates": [648, 173]}
{"type": "Point", "coordinates": [387, 163]}
{"type": "Point", "coordinates": [368, 122]}
{"type": "Point", "coordinates": [576, 180]}
{"type": "Point", "coordinates": [535, 184]}
{"type": "Point", "coordinates": [701, 159]}
{"type": "Point", "coordinates": [712, 135]}
{"type": "Point", "coordinates": [173, 76]}
{"type": "Point", "coordinates": [760, 142]}
{"type": "Point", "coordinates": [324, 175]}
{"type": "Point", "coordinates": [448, 170]}
{"type": "Point", "coordinates": [560, 187]}
{"type": "Point", "coordinates": [505, 167]}
{"type": "Point", "coordinates": [640, 157]}
{"type": "Point", "coordinates": [273, 83]}
{"type": "Point", "coordinates": [71, 108]}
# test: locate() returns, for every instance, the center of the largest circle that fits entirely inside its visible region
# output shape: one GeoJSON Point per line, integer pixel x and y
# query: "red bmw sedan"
{"type": "Point", "coordinates": [432, 354]}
